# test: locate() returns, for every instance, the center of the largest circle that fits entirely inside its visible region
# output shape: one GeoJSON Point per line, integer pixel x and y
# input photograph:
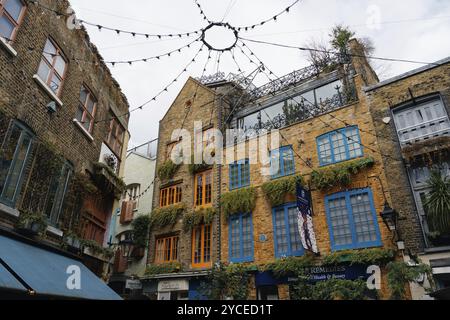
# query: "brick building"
{"type": "Point", "coordinates": [410, 114]}
{"type": "Point", "coordinates": [327, 131]}
{"type": "Point", "coordinates": [62, 145]}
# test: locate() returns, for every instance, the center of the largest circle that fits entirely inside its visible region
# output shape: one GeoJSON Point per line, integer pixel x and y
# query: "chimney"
{"type": "Point", "coordinates": [361, 64]}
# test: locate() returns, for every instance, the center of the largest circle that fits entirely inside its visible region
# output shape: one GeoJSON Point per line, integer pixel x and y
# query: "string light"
{"type": "Point", "coordinates": [274, 18]}
{"type": "Point", "coordinates": [154, 98]}
{"type": "Point", "coordinates": [148, 59]}
{"type": "Point", "coordinates": [202, 13]}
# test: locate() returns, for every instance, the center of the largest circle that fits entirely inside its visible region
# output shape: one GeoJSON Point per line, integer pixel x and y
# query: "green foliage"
{"type": "Point", "coordinates": [97, 249]}
{"type": "Point", "coordinates": [400, 274]}
{"type": "Point", "coordinates": [276, 190]}
{"type": "Point", "coordinates": [374, 256]}
{"type": "Point", "coordinates": [166, 268]}
{"type": "Point", "coordinates": [340, 36]}
{"type": "Point", "coordinates": [227, 281]}
{"type": "Point", "coordinates": [339, 175]}
{"type": "Point", "coordinates": [195, 168]}
{"type": "Point", "coordinates": [83, 185]}
{"type": "Point", "coordinates": [27, 218]}
{"type": "Point", "coordinates": [162, 217]}
{"type": "Point", "coordinates": [238, 201]}
{"type": "Point", "coordinates": [140, 231]}
{"type": "Point", "coordinates": [290, 265]}
{"type": "Point", "coordinates": [197, 217]}
{"type": "Point", "coordinates": [333, 289]}
{"type": "Point", "coordinates": [118, 182]}
{"type": "Point", "coordinates": [167, 170]}
{"type": "Point", "coordinates": [437, 204]}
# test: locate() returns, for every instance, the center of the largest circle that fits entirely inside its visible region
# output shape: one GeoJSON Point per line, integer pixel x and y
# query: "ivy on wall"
{"type": "Point", "coordinates": [197, 217]}
{"type": "Point", "coordinates": [167, 170]}
{"type": "Point", "coordinates": [140, 230]}
{"type": "Point", "coordinates": [339, 175]}
{"type": "Point", "coordinates": [238, 201]}
{"type": "Point", "coordinates": [276, 190]}
{"type": "Point", "coordinates": [333, 289]}
{"type": "Point", "coordinates": [227, 281]}
{"type": "Point", "coordinates": [162, 217]}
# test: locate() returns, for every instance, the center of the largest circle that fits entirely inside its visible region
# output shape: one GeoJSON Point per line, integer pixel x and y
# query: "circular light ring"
{"type": "Point", "coordinates": [220, 24]}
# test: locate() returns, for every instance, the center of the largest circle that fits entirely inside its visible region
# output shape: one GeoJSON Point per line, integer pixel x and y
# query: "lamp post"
{"type": "Point", "coordinates": [126, 248]}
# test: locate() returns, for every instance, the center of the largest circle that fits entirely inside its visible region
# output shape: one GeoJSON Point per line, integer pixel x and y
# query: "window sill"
{"type": "Point", "coordinates": [9, 211]}
{"type": "Point", "coordinates": [8, 47]}
{"type": "Point", "coordinates": [85, 132]}
{"type": "Point", "coordinates": [49, 91]}
{"type": "Point", "coordinates": [55, 231]}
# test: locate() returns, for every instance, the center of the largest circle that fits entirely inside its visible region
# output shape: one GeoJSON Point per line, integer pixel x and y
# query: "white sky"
{"type": "Point", "coordinates": [424, 36]}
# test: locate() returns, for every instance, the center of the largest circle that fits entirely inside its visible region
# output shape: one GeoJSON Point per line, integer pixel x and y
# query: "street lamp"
{"type": "Point", "coordinates": [389, 217]}
{"type": "Point", "coordinates": [126, 247]}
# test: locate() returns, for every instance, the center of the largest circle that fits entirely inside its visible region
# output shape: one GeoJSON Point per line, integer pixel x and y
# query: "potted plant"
{"type": "Point", "coordinates": [72, 240]}
{"type": "Point", "coordinates": [32, 224]}
{"type": "Point", "coordinates": [437, 207]}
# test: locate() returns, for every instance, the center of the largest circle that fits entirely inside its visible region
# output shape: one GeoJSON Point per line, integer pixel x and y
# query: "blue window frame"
{"type": "Point", "coordinates": [352, 220]}
{"type": "Point", "coordinates": [239, 174]}
{"type": "Point", "coordinates": [282, 162]}
{"type": "Point", "coordinates": [286, 233]}
{"type": "Point", "coordinates": [340, 145]}
{"type": "Point", "coordinates": [240, 242]}
{"type": "Point", "coordinates": [14, 156]}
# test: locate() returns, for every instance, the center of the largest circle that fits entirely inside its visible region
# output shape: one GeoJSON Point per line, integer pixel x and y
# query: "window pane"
{"type": "Point", "coordinates": [49, 51]}
{"type": "Point", "coordinates": [235, 243]}
{"type": "Point", "coordinates": [325, 150]}
{"type": "Point", "coordinates": [245, 174]}
{"type": "Point", "coordinates": [354, 147]}
{"type": "Point", "coordinates": [288, 161]}
{"type": "Point", "coordinates": [7, 155]}
{"type": "Point", "coordinates": [247, 244]}
{"type": "Point", "coordinates": [208, 188]}
{"type": "Point", "coordinates": [55, 83]}
{"type": "Point", "coordinates": [6, 28]}
{"type": "Point", "coordinates": [60, 66]}
{"type": "Point", "coordinates": [199, 199]}
{"type": "Point", "coordinates": [363, 218]}
{"type": "Point", "coordinates": [16, 171]}
{"type": "Point", "coordinates": [90, 106]}
{"type": "Point", "coordinates": [328, 92]}
{"type": "Point", "coordinates": [83, 95]}
{"type": "Point", "coordinates": [197, 245]}
{"type": "Point", "coordinates": [337, 139]}
{"type": "Point", "coordinates": [280, 232]}
{"type": "Point", "coordinates": [43, 71]}
{"type": "Point", "coordinates": [14, 7]}
{"type": "Point", "coordinates": [79, 114]}
{"type": "Point", "coordinates": [294, 233]}
{"type": "Point", "coordinates": [250, 122]}
{"type": "Point", "coordinates": [207, 244]}
{"type": "Point", "coordinates": [340, 223]}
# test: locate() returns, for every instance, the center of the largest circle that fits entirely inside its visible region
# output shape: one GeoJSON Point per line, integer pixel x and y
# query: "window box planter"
{"type": "Point", "coordinates": [31, 228]}
{"type": "Point", "coordinates": [73, 242]}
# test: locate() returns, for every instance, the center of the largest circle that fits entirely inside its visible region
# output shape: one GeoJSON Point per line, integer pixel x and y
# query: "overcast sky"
{"type": "Point", "coordinates": [403, 29]}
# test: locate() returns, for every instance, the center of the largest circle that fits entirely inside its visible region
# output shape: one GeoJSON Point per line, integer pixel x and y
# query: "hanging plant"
{"type": "Point", "coordinates": [374, 256]}
{"type": "Point", "coordinates": [32, 222]}
{"type": "Point", "coordinates": [339, 175]}
{"type": "Point", "coordinates": [196, 168]}
{"type": "Point", "coordinates": [97, 249]}
{"type": "Point", "coordinates": [162, 217]}
{"type": "Point", "coordinates": [289, 265]}
{"type": "Point", "coordinates": [140, 230]}
{"type": "Point", "coordinates": [238, 201]}
{"type": "Point", "coordinates": [400, 274]}
{"type": "Point", "coordinates": [197, 217]}
{"type": "Point", "coordinates": [437, 203]}
{"type": "Point", "coordinates": [276, 190]}
{"type": "Point", "coordinates": [166, 268]}
{"type": "Point", "coordinates": [167, 170]}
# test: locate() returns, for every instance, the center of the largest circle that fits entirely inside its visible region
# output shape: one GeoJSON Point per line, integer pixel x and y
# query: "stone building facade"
{"type": "Point", "coordinates": [63, 137]}
{"type": "Point", "coordinates": [411, 118]}
{"type": "Point", "coordinates": [326, 129]}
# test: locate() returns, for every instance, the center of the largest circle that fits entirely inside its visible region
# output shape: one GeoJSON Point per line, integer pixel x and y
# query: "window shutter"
{"type": "Point", "coordinates": [120, 262]}
{"type": "Point", "coordinates": [123, 212]}
{"type": "Point", "coordinates": [130, 209]}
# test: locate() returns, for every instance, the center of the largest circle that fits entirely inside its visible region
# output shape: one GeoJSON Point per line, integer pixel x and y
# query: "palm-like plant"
{"type": "Point", "coordinates": [437, 204]}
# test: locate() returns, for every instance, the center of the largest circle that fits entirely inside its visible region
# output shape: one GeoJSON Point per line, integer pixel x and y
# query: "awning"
{"type": "Point", "coordinates": [47, 274]}
{"type": "Point", "coordinates": [7, 281]}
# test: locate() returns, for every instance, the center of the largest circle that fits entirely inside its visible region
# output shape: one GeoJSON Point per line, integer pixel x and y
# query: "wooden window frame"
{"type": "Point", "coordinates": [202, 230]}
{"type": "Point", "coordinates": [16, 24]}
{"type": "Point", "coordinates": [173, 250]}
{"type": "Point", "coordinates": [164, 195]}
{"type": "Point", "coordinates": [203, 203]}
{"type": "Point", "coordinates": [51, 65]}
{"type": "Point", "coordinates": [117, 141]}
{"type": "Point", "coordinates": [86, 112]}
